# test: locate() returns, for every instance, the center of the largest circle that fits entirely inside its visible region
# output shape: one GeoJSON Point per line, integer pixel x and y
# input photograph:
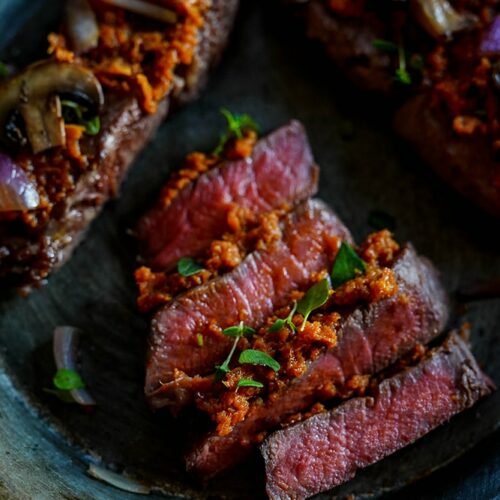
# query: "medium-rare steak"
{"type": "Point", "coordinates": [249, 293]}
{"type": "Point", "coordinates": [327, 449]}
{"type": "Point", "coordinates": [33, 245]}
{"type": "Point", "coordinates": [280, 170]}
{"type": "Point", "coordinates": [370, 338]}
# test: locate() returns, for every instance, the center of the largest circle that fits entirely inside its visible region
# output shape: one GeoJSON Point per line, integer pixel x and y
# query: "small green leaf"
{"type": "Point", "coordinates": [417, 62]}
{"type": "Point", "coordinates": [236, 124]}
{"type": "Point", "coordinates": [74, 112]}
{"type": "Point", "coordinates": [277, 325]}
{"type": "Point", "coordinates": [240, 330]}
{"type": "Point", "coordinates": [347, 264]}
{"type": "Point", "coordinates": [221, 370]}
{"type": "Point", "coordinates": [67, 380]}
{"type": "Point", "coordinates": [248, 382]}
{"type": "Point", "coordinates": [385, 45]}
{"type": "Point", "coordinates": [315, 297]}
{"type": "Point", "coordinates": [402, 76]}
{"type": "Point", "coordinates": [93, 126]}
{"type": "Point", "coordinates": [187, 267]}
{"type": "Point", "coordinates": [377, 219]}
{"type": "Point", "coordinates": [254, 357]}
{"type": "Point", "coordinates": [199, 339]}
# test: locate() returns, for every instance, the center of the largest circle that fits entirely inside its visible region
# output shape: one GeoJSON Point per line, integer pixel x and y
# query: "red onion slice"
{"type": "Point", "coordinates": [17, 192]}
{"type": "Point", "coordinates": [490, 44]}
{"type": "Point", "coordinates": [80, 24]}
{"type": "Point", "coordinates": [64, 346]}
{"type": "Point", "coordinates": [145, 9]}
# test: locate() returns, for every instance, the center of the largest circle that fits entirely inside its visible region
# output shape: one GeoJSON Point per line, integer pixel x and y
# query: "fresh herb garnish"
{"type": "Point", "coordinates": [248, 382]}
{"type": "Point", "coordinates": [281, 323]}
{"type": "Point", "coordinates": [315, 297]}
{"type": "Point", "coordinates": [199, 339]}
{"type": "Point", "coordinates": [76, 113]}
{"type": "Point", "coordinates": [254, 357]}
{"type": "Point", "coordinates": [67, 380]}
{"type": "Point", "coordinates": [377, 219]}
{"type": "Point", "coordinates": [64, 382]}
{"type": "Point", "coordinates": [237, 332]}
{"type": "Point", "coordinates": [187, 267]}
{"type": "Point", "coordinates": [347, 264]}
{"type": "Point", "coordinates": [402, 75]}
{"type": "Point", "coordinates": [3, 70]}
{"type": "Point", "coordinates": [236, 124]}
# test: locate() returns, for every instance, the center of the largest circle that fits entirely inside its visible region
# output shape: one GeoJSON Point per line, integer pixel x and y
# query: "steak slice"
{"type": "Point", "coordinates": [281, 170]}
{"type": "Point", "coordinates": [249, 293]}
{"type": "Point", "coordinates": [327, 449]}
{"type": "Point", "coordinates": [370, 338]}
{"type": "Point", "coordinates": [26, 258]}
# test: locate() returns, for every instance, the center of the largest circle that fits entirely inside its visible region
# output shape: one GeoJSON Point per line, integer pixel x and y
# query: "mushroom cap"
{"type": "Point", "coordinates": [45, 78]}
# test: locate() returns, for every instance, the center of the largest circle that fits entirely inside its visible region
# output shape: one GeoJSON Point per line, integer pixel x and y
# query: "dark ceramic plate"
{"type": "Point", "coordinates": [270, 72]}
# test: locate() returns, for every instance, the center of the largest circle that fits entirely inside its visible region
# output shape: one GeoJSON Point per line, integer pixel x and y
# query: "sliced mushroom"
{"type": "Point", "coordinates": [35, 94]}
{"type": "Point", "coordinates": [440, 19]}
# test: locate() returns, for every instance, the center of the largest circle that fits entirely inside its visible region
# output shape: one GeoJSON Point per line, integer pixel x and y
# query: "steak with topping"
{"type": "Point", "coordinates": [369, 339]}
{"type": "Point", "coordinates": [176, 365]}
{"type": "Point", "coordinates": [281, 170]}
{"type": "Point", "coordinates": [33, 245]}
{"type": "Point", "coordinates": [327, 449]}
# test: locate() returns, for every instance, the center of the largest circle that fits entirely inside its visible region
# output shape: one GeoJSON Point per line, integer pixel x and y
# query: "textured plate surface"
{"type": "Point", "coordinates": [270, 72]}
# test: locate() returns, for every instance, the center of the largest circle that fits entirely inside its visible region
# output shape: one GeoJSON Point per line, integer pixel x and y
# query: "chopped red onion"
{"type": "Point", "coordinates": [65, 346]}
{"type": "Point", "coordinates": [80, 24]}
{"type": "Point", "coordinates": [490, 44]}
{"type": "Point", "coordinates": [17, 192]}
{"type": "Point", "coordinates": [118, 480]}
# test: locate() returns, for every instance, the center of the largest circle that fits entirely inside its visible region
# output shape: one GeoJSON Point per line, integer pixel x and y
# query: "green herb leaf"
{"type": "Point", "coordinates": [417, 62]}
{"type": "Point", "coordinates": [187, 267]}
{"type": "Point", "coordinates": [347, 264]}
{"type": "Point", "coordinates": [248, 382]}
{"type": "Point", "coordinates": [277, 325]}
{"type": "Point", "coordinates": [3, 70]}
{"type": "Point", "coordinates": [78, 114]}
{"type": "Point", "coordinates": [221, 370]}
{"type": "Point", "coordinates": [93, 126]}
{"type": "Point", "coordinates": [236, 124]}
{"type": "Point", "coordinates": [377, 219]}
{"type": "Point", "coordinates": [67, 380]}
{"type": "Point", "coordinates": [315, 297]}
{"type": "Point", "coordinates": [281, 323]}
{"type": "Point", "coordinates": [402, 76]}
{"type": "Point", "coordinates": [385, 45]}
{"type": "Point", "coordinates": [238, 331]}
{"type": "Point", "coordinates": [199, 339]}
{"type": "Point", "coordinates": [254, 357]}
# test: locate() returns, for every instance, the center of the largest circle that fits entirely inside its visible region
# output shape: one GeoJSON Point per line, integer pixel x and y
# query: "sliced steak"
{"type": "Point", "coordinates": [466, 163]}
{"type": "Point", "coordinates": [249, 293]}
{"type": "Point", "coordinates": [28, 256]}
{"type": "Point", "coordinates": [370, 338]}
{"type": "Point", "coordinates": [327, 449]}
{"type": "Point", "coordinates": [280, 170]}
